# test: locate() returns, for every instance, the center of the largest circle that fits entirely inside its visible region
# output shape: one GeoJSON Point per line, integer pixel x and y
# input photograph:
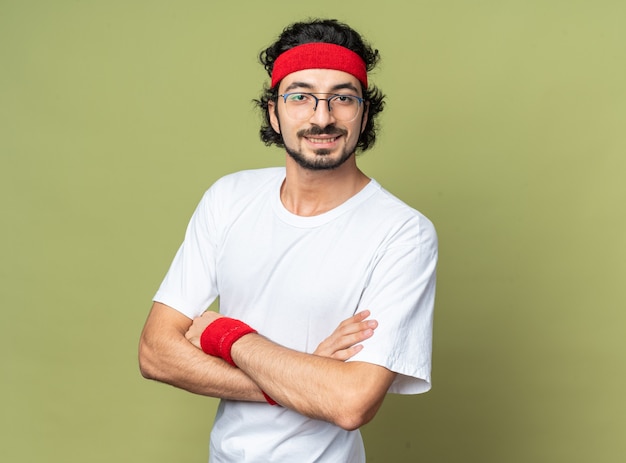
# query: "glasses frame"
{"type": "Point", "coordinates": [328, 100]}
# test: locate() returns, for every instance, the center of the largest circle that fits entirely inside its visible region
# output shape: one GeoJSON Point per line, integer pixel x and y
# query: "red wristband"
{"type": "Point", "coordinates": [218, 338]}
{"type": "Point", "coordinates": [269, 399]}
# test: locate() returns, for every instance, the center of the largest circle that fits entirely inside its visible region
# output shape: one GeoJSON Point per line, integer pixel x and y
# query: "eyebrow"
{"type": "Point", "coordinates": [308, 86]}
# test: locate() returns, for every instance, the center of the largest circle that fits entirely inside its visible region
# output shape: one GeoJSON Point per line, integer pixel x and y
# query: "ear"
{"type": "Point", "coordinates": [271, 111]}
{"type": "Point", "coordinates": [365, 116]}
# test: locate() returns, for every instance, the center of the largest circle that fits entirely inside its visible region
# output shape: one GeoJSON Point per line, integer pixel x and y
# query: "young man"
{"type": "Point", "coordinates": [301, 257]}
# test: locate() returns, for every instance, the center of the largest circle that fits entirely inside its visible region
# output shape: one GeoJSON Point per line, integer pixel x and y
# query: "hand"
{"type": "Point", "coordinates": [344, 342]}
{"type": "Point", "coordinates": [199, 325]}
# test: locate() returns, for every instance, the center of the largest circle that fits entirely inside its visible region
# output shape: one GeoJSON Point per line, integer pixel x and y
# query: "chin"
{"type": "Point", "coordinates": [321, 159]}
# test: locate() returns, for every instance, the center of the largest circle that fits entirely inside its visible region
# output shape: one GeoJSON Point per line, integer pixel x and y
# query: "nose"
{"type": "Point", "coordinates": [322, 116]}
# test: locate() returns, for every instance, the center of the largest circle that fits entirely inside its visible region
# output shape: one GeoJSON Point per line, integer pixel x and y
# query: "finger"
{"type": "Point", "coordinates": [359, 336]}
{"type": "Point", "coordinates": [357, 317]}
{"type": "Point", "coordinates": [356, 327]}
{"type": "Point", "coordinates": [348, 353]}
{"type": "Point", "coordinates": [347, 340]}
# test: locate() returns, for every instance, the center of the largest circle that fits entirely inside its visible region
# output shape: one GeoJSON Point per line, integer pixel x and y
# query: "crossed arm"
{"type": "Point", "coordinates": [319, 385]}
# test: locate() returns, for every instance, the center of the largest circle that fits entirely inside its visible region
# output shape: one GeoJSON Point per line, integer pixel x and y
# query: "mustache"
{"type": "Point", "coordinates": [316, 130]}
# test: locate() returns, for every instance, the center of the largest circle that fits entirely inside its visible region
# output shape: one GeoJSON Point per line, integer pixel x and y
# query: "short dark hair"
{"type": "Point", "coordinates": [327, 31]}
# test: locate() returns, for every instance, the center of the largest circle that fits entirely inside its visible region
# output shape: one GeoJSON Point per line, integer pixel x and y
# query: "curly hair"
{"type": "Point", "coordinates": [328, 31]}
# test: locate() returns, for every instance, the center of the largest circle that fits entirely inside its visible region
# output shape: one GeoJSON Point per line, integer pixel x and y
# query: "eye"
{"type": "Point", "coordinates": [298, 97]}
{"type": "Point", "coordinates": [344, 100]}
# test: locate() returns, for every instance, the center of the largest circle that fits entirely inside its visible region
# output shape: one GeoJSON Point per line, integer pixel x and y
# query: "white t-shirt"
{"type": "Point", "coordinates": [294, 279]}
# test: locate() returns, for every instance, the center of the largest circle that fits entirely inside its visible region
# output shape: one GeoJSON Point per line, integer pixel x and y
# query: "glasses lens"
{"type": "Point", "coordinates": [344, 107]}
{"type": "Point", "coordinates": [301, 106]}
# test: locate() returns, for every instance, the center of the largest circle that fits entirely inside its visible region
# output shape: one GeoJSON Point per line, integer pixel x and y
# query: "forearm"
{"type": "Point", "coordinates": [166, 356]}
{"type": "Point", "coordinates": [345, 393]}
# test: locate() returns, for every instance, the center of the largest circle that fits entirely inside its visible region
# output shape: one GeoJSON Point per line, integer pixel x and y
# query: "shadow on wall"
{"type": "Point", "coordinates": [479, 409]}
{"type": "Point", "coordinates": [459, 420]}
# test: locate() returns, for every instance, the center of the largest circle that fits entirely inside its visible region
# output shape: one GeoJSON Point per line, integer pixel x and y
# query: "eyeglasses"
{"type": "Point", "coordinates": [301, 106]}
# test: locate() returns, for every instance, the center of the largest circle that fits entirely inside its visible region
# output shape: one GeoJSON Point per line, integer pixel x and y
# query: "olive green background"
{"type": "Point", "coordinates": [504, 124]}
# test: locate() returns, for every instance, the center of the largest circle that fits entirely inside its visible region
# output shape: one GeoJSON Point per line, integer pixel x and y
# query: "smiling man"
{"type": "Point", "coordinates": [321, 134]}
{"type": "Point", "coordinates": [326, 281]}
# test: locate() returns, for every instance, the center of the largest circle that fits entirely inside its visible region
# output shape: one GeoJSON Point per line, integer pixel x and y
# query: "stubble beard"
{"type": "Point", "coordinates": [322, 159]}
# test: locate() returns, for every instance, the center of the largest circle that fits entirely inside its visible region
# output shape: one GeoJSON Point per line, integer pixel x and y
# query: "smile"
{"type": "Point", "coordinates": [322, 140]}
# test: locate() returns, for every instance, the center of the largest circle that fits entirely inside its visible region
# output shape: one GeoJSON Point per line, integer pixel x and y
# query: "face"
{"type": "Point", "coordinates": [320, 142]}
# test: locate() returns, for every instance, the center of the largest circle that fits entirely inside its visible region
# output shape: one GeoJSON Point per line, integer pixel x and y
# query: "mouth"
{"type": "Point", "coordinates": [322, 140]}
{"type": "Point", "coordinates": [327, 138]}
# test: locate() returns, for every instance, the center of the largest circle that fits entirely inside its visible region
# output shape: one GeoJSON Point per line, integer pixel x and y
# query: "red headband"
{"type": "Point", "coordinates": [319, 55]}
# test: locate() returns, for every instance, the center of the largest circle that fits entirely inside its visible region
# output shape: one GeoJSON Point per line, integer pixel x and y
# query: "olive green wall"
{"type": "Point", "coordinates": [505, 125]}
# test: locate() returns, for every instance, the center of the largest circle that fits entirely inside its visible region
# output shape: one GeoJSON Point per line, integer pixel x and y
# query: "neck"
{"type": "Point", "coordinates": [308, 192]}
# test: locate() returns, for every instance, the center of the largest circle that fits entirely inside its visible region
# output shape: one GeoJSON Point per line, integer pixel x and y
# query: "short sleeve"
{"type": "Point", "coordinates": [400, 295]}
{"type": "Point", "coordinates": [190, 285]}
